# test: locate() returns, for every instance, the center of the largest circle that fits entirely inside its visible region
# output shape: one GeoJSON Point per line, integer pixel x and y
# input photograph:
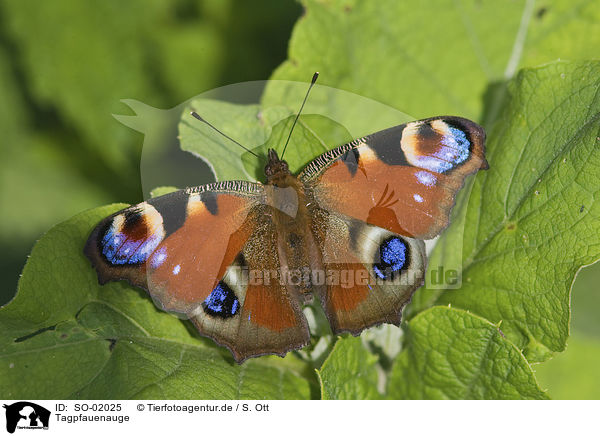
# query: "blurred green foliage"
{"type": "Point", "coordinates": [573, 374]}
{"type": "Point", "coordinates": [65, 65]}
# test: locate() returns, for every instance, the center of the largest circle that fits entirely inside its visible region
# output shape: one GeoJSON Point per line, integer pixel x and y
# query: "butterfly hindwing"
{"type": "Point", "coordinates": [192, 250]}
{"type": "Point", "coordinates": [269, 319]}
{"type": "Point", "coordinates": [370, 272]}
{"type": "Point", "coordinates": [404, 179]}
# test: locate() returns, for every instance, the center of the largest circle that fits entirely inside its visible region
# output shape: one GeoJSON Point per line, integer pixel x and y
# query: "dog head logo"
{"type": "Point", "coordinates": [26, 415]}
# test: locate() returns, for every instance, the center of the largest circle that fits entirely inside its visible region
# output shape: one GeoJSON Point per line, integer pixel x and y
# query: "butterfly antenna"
{"type": "Point", "coordinates": [198, 117]}
{"type": "Point", "coordinates": [312, 82]}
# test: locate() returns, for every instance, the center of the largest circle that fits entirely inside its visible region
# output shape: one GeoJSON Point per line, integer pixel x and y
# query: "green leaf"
{"type": "Point", "coordinates": [258, 129]}
{"type": "Point", "coordinates": [247, 124]}
{"type": "Point", "coordinates": [337, 116]}
{"type": "Point", "coordinates": [452, 354]}
{"type": "Point", "coordinates": [442, 57]}
{"type": "Point", "coordinates": [349, 373]}
{"type": "Point", "coordinates": [532, 220]}
{"type": "Point", "coordinates": [304, 145]}
{"type": "Point", "coordinates": [64, 336]}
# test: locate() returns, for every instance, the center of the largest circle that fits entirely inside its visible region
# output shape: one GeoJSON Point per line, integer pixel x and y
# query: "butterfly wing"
{"type": "Point", "coordinates": [270, 319]}
{"type": "Point", "coordinates": [372, 201]}
{"type": "Point", "coordinates": [194, 251]}
{"type": "Point", "coordinates": [370, 272]}
{"type": "Point", "coordinates": [403, 179]}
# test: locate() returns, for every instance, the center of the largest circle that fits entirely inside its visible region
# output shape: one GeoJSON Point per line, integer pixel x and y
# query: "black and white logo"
{"type": "Point", "coordinates": [26, 415]}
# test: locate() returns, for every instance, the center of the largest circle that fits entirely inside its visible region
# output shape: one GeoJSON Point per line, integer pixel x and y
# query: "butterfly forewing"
{"type": "Point", "coordinates": [403, 179]}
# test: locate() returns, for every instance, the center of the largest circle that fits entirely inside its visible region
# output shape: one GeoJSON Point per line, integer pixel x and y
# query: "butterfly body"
{"type": "Point", "coordinates": [240, 258]}
{"type": "Point", "coordinates": [285, 199]}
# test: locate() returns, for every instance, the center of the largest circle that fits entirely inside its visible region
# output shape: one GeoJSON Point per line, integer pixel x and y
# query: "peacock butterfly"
{"type": "Point", "coordinates": [241, 258]}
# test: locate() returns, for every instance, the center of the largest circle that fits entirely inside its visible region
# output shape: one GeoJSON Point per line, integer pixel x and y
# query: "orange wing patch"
{"type": "Point", "coordinates": [267, 306]}
{"type": "Point", "coordinates": [348, 287]}
{"type": "Point", "coordinates": [392, 197]}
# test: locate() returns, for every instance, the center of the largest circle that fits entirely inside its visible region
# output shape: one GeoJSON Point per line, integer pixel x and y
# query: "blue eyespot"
{"type": "Point", "coordinates": [459, 144]}
{"type": "Point", "coordinates": [221, 302]}
{"type": "Point", "coordinates": [453, 151]}
{"type": "Point", "coordinates": [119, 249]}
{"type": "Point", "coordinates": [393, 253]}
